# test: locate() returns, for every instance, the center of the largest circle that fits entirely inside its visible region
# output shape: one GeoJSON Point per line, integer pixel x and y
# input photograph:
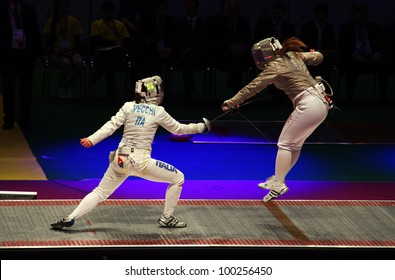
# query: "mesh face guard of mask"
{"type": "Point", "coordinates": [264, 51]}
{"type": "Point", "coordinates": [150, 89]}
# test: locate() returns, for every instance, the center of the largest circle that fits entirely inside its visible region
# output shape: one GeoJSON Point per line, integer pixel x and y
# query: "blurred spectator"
{"type": "Point", "coordinates": [231, 34]}
{"type": "Point", "coordinates": [192, 48]}
{"type": "Point", "coordinates": [275, 26]}
{"type": "Point", "coordinates": [63, 41]}
{"type": "Point", "coordinates": [110, 39]}
{"type": "Point", "coordinates": [158, 40]}
{"type": "Point", "coordinates": [360, 52]}
{"type": "Point", "coordinates": [319, 34]}
{"type": "Point", "coordinates": [20, 49]}
{"type": "Point", "coordinates": [131, 13]}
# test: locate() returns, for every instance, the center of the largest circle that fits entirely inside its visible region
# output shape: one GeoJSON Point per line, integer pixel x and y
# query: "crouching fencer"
{"type": "Point", "coordinates": [141, 119]}
{"type": "Point", "coordinates": [285, 67]}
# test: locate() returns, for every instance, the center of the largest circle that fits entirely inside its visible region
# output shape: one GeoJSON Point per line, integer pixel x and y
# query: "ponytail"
{"type": "Point", "coordinates": [292, 44]}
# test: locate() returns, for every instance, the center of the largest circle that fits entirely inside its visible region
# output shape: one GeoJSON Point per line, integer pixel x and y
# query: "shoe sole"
{"type": "Point", "coordinates": [268, 197]}
{"type": "Point", "coordinates": [57, 227]}
{"type": "Point", "coordinates": [162, 224]}
{"type": "Point", "coordinates": [61, 226]}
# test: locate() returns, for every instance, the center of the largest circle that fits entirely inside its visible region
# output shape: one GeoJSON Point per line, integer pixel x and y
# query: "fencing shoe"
{"type": "Point", "coordinates": [276, 189]}
{"type": "Point", "coordinates": [273, 194]}
{"type": "Point", "coordinates": [64, 222]}
{"type": "Point", "coordinates": [171, 222]}
{"type": "Point", "coordinates": [265, 185]}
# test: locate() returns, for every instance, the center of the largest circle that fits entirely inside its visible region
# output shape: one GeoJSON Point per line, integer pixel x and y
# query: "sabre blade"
{"type": "Point", "coordinates": [242, 105]}
{"type": "Point", "coordinates": [250, 122]}
{"type": "Point", "coordinates": [223, 114]}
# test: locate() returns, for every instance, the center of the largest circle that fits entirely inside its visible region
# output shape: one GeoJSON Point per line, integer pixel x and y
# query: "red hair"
{"type": "Point", "coordinates": [292, 44]}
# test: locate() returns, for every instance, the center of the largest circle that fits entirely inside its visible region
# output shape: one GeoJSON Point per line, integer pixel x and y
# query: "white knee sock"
{"type": "Point", "coordinates": [89, 202]}
{"type": "Point", "coordinates": [173, 193]}
{"type": "Point", "coordinates": [283, 164]}
{"type": "Point", "coordinates": [294, 158]}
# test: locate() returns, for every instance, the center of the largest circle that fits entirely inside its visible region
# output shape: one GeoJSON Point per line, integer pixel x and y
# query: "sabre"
{"type": "Point", "coordinates": [223, 114]}
{"type": "Point", "coordinates": [208, 122]}
{"type": "Point", "coordinates": [229, 111]}
{"type": "Point", "coordinates": [250, 122]}
{"type": "Point", "coordinates": [238, 107]}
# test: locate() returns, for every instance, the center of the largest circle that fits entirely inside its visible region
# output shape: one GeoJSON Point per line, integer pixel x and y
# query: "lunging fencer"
{"type": "Point", "coordinates": [285, 67]}
{"type": "Point", "coordinates": [141, 119]}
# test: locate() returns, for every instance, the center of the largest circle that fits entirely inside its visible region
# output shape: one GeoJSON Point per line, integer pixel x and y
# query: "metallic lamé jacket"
{"type": "Point", "coordinates": [288, 73]}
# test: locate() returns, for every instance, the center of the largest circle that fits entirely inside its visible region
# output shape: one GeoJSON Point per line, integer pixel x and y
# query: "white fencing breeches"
{"type": "Point", "coordinates": [140, 164]}
{"type": "Point", "coordinates": [310, 111]}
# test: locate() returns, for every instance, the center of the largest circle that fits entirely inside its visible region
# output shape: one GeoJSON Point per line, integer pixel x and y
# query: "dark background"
{"type": "Point", "coordinates": [298, 12]}
{"type": "Point", "coordinates": [380, 12]}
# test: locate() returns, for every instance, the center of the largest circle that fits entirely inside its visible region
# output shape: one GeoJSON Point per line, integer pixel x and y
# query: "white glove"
{"type": "Point", "coordinates": [200, 127]}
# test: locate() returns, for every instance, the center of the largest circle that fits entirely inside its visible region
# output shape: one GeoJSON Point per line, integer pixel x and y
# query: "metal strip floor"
{"type": "Point", "coordinates": [211, 223]}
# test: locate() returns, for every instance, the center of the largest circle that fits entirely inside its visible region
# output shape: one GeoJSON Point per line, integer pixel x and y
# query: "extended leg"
{"type": "Point", "coordinates": [111, 180]}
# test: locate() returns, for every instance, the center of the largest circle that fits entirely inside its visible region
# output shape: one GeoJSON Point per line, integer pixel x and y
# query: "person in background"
{"type": "Point", "coordinates": [63, 33]}
{"type": "Point", "coordinates": [131, 13]}
{"type": "Point", "coordinates": [279, 27]}
{"type": "Point", "coordinates": [110, 41]}
{"type": "Point", "coordinates": [231, 37]}
{"type": "Point", "coordinates": [158, 39]}
{"type": "Point", "coordinates": [192, 48]}
{"type": "Point", "coordinates": [319, 34]}
{"type": "Point", "coordinates": [360, 50]}
{"type": "Point", "coordinates": [20, 49]}
{"type": "Point", "coordinates": [276, 26]}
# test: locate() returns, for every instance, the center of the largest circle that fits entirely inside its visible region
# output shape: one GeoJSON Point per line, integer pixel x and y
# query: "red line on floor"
{"type": "Point", "coordinates": [128, 202]}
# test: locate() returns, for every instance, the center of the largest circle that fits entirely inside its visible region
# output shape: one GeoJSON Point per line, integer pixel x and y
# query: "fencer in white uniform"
{"type": "Point", "coordinates": [141, 119]}
{"type": "Point", "coordinates": [285, 67]}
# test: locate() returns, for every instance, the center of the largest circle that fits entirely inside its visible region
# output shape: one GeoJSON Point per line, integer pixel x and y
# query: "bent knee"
{"type": "Point", "coordinates": [285, 146]}
{"type": "Point", "coordinates": [289, 146]}
{"type": "Point", "coordinates": [178, 179]}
